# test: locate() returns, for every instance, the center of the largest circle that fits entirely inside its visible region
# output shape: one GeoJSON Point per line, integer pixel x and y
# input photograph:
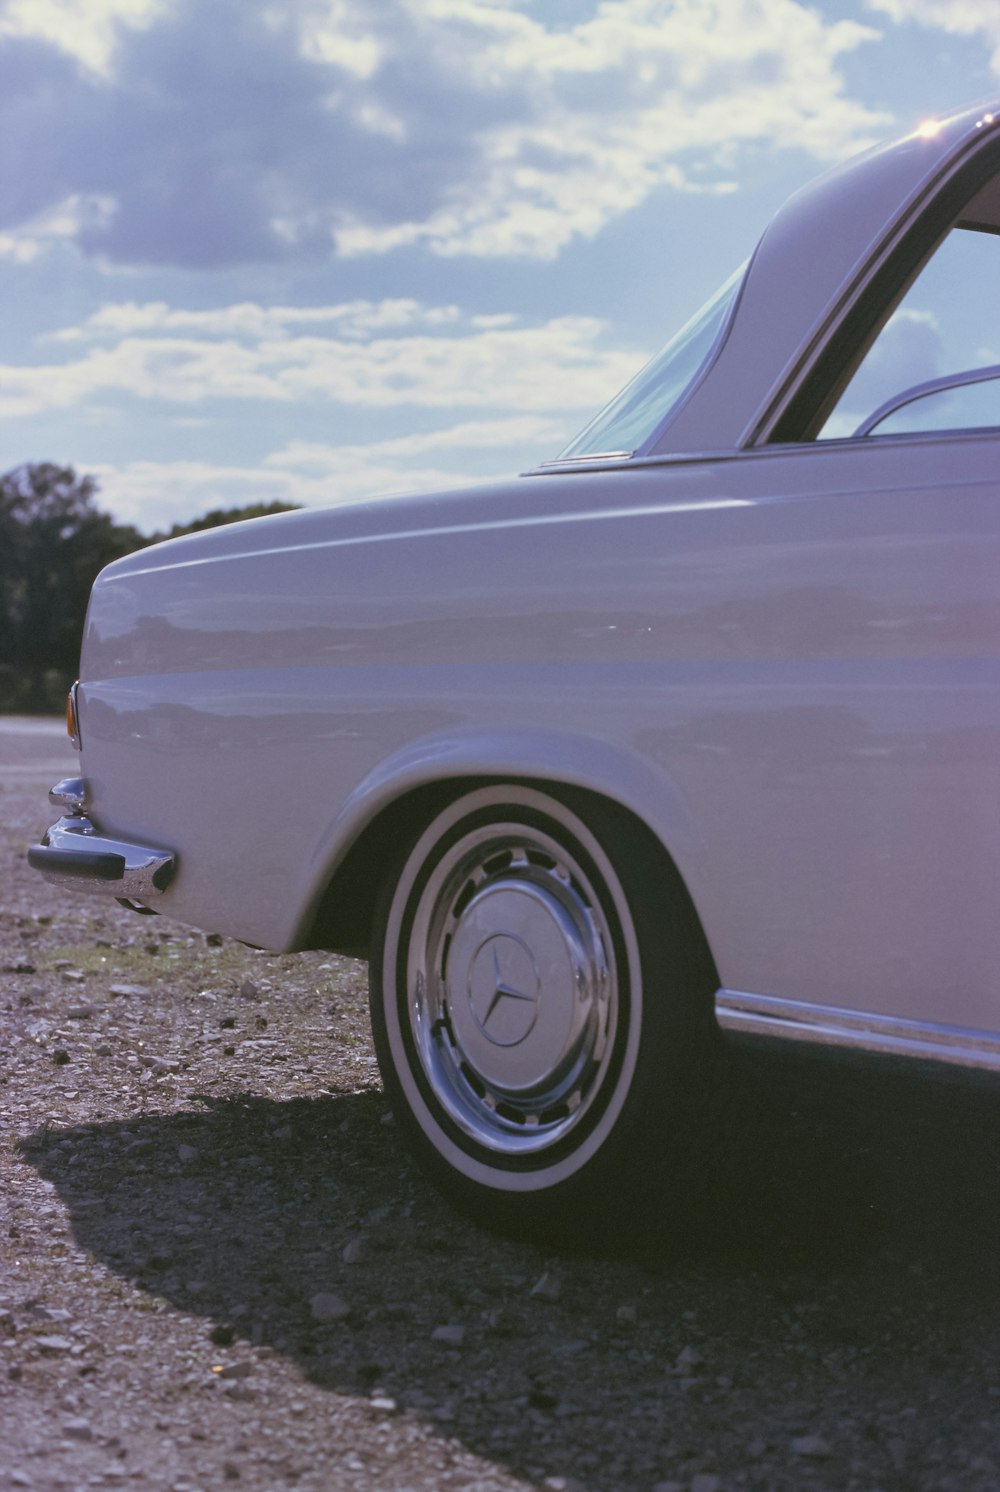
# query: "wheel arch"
{"type": "Point", "coordinates": [400, 799]}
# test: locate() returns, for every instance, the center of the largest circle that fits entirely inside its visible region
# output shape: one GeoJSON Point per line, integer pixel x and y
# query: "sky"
{"type": "Point", "coordinates": [317, 250]}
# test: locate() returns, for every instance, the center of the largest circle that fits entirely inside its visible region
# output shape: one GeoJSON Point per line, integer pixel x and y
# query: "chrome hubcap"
{"type": "Point", "coordinates": [512, 988]}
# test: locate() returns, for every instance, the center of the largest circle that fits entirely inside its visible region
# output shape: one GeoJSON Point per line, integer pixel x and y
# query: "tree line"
{"type": "Point", "coordinates": [53, 541]}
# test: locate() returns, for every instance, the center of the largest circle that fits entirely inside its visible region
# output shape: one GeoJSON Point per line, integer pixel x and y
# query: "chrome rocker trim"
{"type": "Point", "coordinates": [826, 1025]}
{"type": "Point", "coordinates": [74, 853]}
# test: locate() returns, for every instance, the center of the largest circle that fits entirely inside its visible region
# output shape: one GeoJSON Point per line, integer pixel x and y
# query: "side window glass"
{"type": "Point", "coordinates": [935, 365]}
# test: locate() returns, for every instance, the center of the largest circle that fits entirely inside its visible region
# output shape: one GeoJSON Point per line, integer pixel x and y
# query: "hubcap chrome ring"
{"type": "Point", "coordinates": [512, 988]}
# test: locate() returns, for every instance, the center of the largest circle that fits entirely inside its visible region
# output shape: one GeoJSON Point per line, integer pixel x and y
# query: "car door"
{"type": "Point", "coordinates": [883, 544]}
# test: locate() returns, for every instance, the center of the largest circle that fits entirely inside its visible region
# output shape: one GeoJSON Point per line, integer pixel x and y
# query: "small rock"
{"type": "Point", "coordinates": [82, 1012]}
{"type": "Point", "coordinates": [78, 1429]}
{"type": "Point", "coordinates": [187, 1153]}
{"type": "Point", "coordinates": [812, 1446]}
{"type": "Point", "coordinates": [626, 1315]}
{"type": "Point", "coordinates": [354, 1251]}
{"type": "Point", "coordinates": [249, 991]}
{"type": "Point", "coordinates": [126, 991]}
{"type": "Point", "coordinates": [383, 1403]}
{"type": "Point", "coordinates": [61, 1056]}
{"type": "Point", "coordinates": [325, 1306]}
{"type": "Point", "coordinates": [73, 976]}
{"type": "Point", "coordinates": [448, 1336]}
{"type": "Point", "coordinates": [706, 1481]}
{"type": "Point", "coordinates": [237, 1370]}
{"type": "Point", "coordinates": [687, 1359]}
{"type": "Point", "coordinates": [548, 1287]}
{"type": "Point", "coordinates": [53, 1344]}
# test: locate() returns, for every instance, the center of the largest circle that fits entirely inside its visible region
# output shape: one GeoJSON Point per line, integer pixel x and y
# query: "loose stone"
{"type": "Point", "coordinates": [547, 1287]}
{"type": "Point", "coordinates": [448, 1336]}
{"type": "Point", "coordinates": [811, 1446]}
{"type": "Point", "coordinates": [325, 1306]}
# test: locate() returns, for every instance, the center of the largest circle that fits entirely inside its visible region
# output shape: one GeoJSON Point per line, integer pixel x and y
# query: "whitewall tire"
{"type": "Point", "coordinates": [520, 1020]}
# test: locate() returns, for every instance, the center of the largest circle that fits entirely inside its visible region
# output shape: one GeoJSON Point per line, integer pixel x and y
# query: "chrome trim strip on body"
{"type": "Point", "coordinates": [73, 853]}
{"type": "Point", "coordinates": [826, 1025]}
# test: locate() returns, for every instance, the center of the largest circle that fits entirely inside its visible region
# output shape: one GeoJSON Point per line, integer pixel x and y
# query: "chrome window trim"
{"type": "Point", "coordinates": [919, 391]}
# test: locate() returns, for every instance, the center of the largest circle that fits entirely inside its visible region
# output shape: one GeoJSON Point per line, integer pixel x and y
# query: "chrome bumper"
{"type": "Point", "coordinates": [74, 853]}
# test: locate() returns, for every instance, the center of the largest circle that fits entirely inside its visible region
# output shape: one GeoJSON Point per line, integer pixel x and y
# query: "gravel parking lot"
{"type": "Point", "coordinates": [218, 1268]}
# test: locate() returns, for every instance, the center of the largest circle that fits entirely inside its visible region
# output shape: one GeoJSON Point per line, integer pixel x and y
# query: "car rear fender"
{"type": "Point", "coordinates": [405, 789]}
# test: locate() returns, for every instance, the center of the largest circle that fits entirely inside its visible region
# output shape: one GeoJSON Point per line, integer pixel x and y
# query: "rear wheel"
{"type": "Point", "coordinates": [540, 1002]}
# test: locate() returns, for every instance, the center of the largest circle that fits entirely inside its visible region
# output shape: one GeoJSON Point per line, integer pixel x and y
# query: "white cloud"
{"type": "Point", "coordinates": [958, 17]}
{"type": "Point", "coordinates": [522, 433]}
{"type": "Point", "coordinates": [60, 223]}
{"type": "Point", "coordinates": [642, 94]}
{"type": "Point", "coordinates": [85, 29]}
{"type": "Point", "coordinates": [251, 353]}
{"type": "Point", "coordinates": [229, 131]}
{"type": "Point", "coordinates": [358, 318]}
{"type": "Point", "coordinates": [154, 495]}
{"type": "Point", "coordinates": [335, 32]}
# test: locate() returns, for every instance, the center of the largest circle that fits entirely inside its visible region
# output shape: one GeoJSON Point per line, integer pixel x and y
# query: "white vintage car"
{"type": "Point", "coordinates": [695, 729]}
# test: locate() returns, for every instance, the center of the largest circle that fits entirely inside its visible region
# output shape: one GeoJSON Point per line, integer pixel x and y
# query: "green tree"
{"type": "Point", "coordinates": [53, 541]}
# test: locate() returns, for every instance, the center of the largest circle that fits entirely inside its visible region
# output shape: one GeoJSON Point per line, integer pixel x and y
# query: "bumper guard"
{"type": "Point", "coordinates": [74, 853]}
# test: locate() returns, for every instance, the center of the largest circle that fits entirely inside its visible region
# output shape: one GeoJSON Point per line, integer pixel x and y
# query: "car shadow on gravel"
{"type": "Point", "coordinates": [862, 1198]}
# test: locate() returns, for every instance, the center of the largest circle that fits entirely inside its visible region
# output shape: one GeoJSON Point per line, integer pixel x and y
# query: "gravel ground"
{"type": "Point", "coordinates": [218, 1268]}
